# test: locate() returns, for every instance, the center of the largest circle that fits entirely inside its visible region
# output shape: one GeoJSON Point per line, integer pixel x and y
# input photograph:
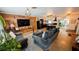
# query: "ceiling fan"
{"type": "Point", "coordinates": [28, 10]}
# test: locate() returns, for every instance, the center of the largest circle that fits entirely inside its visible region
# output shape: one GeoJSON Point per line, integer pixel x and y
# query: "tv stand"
{"type": "Point", "coordinates": [25, 29]}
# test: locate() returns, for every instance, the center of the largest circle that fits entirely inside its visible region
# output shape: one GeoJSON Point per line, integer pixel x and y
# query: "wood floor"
{"type": "Point", "coordinates": [63, 42]}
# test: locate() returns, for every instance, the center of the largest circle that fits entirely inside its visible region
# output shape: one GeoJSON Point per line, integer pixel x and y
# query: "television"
{"type": "Point", "coordinates": [23, 22]}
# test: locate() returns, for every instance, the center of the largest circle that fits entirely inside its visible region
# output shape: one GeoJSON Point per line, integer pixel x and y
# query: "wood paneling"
{"type": "Point", "coordinates": [13, 18]}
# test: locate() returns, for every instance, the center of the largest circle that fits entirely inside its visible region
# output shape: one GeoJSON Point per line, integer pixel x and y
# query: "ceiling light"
{"type": "Point", "coordinates": [69, 11]}
{"type": "Point", "coordinates": [28, 11]}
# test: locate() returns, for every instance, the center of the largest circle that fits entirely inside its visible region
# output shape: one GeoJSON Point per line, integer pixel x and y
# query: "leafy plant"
{"type": "Point", "coordinates": [3, 21]}
{"type": "Point", "coordinates": [7, 43]}
{"type": "Point", "coordinates": [10, 45]}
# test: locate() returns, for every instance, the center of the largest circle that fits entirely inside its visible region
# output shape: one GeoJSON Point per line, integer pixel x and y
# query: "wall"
{"type": "Point", "coordinates": [73, 21]}
{"type": "Point", "coordinates": [13, 18]}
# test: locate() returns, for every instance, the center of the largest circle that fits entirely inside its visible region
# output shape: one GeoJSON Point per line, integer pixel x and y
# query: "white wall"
{"type": "Point", "coordinates": [73, 21]}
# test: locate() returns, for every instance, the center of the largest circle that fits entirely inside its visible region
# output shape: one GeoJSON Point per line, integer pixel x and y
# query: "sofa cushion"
{"type": "Point", "coordinates": [45, 36]}
{"type": "Point", "coordinates": [37, 33]}
{"type": "Point", "coordinates": [51, 33]}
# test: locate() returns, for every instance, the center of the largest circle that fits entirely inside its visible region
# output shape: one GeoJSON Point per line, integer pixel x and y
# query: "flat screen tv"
{"type": "Point", "coordinates": [23, 22]}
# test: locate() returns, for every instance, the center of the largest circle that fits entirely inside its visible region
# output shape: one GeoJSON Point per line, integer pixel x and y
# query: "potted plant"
{"type": "Point", "coordinates": [7, 42]}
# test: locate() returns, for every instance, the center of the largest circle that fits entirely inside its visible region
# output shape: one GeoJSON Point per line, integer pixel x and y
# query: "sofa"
{"type": "Point", "coordinates": [45, 41]}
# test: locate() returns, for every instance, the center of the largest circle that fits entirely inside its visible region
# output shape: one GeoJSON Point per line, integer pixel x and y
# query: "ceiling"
{"type": "Point", "coordinates": [39, 11]}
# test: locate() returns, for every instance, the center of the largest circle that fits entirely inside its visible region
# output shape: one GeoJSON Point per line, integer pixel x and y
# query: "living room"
{"type": "Point", "coordinates": [39, 28]}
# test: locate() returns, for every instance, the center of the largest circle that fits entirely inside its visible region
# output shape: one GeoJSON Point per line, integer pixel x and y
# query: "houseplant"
{"type": "Point", "coordinates": [7, 42]}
